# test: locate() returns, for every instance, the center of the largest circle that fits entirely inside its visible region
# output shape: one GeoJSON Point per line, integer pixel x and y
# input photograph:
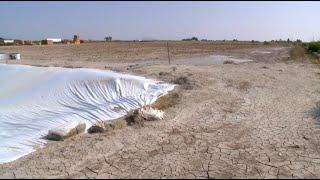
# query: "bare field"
{"type": "Point", "coordinates": [121, 52]}
{"type": "Point", "coordinates": [246, 120]}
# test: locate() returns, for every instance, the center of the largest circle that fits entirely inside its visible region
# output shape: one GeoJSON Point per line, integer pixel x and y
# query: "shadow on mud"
{"type": "Point", "coordinates": [315, 113]}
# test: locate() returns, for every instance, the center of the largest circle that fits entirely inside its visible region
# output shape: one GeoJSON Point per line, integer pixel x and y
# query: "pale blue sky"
{"type": "Point", "coordinates": [161, 20]}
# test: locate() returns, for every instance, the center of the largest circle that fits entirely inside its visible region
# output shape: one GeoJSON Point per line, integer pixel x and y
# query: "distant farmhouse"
{"type": "Point", "coordinates": [49, 41]}
{"type": "Point", "coordinates": [55, 40]}
{"type": "Point", "coordinates": [6, 41]}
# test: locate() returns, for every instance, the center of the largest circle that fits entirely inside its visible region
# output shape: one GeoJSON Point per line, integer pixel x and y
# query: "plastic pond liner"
{"type": "Point", "coordinates": [34, 100]}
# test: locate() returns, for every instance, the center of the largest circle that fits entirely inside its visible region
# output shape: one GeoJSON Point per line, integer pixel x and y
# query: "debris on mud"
{"type": "Point", "coordinates": [164, 73]}
{"type": "Point", "coordinates": [133, 117]}
{"type": "Point", "coordinates": [104, 126]}
{"type": "Point", "coordinates": [184, 81]}
{"type": "Point", "coordinates": [241, 85]}
{"type": "Point", "coordinates": [228, 62]}
{"type": "Point", "coordinates": [138, 116]}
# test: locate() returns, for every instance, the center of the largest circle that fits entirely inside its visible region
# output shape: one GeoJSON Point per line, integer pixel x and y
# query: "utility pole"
{"type": "Point", "coordinates": [168, 52]}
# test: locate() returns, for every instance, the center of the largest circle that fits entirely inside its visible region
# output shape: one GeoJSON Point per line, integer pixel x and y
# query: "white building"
{"type": "Point", "coordinates": [55, 40]}
{"type": "Point", "coordinates": [8, 41]}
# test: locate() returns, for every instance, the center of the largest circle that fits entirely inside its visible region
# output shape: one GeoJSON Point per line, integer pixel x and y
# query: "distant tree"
{"type": "Point", "coordinates": [108, 38]}
{"type": "Point", "coordinates": [235, 40]}
{"type": "Point", "coordinates": [194, 39]}
{"type": "Point", "coordinates": [204, 40]}
{"type": "Point", "coordinates": [191, 39]}
{"type": "Point", "coordinates": [288, 40]}
{"type": "Point", "coordinates": [252, 41]}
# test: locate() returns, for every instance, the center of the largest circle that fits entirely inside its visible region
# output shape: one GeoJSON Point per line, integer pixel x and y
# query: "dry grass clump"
{"type": "Point", "coordinates": [315, 61]}
{"type": "Point", "coordinates": [228, 62]}
{"type": "Point", "coordinates": [244, 85]}
{"type": "Point", "coordinates": [184, 82]}
{"type": "Point", "coordinates": [133, 118]}
{"type": "Point", "coordinates": [241, 85]}
{"type": "Point", "coordinates": [297, 52]}
{"type": "Point", "coordinates": [164, 73]}
{"type": "Point", "coordinates": [166, 101]}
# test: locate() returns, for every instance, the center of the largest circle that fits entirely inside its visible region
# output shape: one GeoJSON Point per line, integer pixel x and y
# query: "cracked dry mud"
{"type": "Point", "coordinates": [248, 120]}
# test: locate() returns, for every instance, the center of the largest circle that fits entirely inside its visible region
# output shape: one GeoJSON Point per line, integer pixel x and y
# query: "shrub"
{"type": "Point", "coordinates": [314, 46]}
{"type": "Point", "coordinates": [191, 39]}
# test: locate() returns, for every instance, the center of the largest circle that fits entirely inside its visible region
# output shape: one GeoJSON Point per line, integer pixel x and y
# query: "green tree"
{"type": "Point", "coordinates": [108, 38]}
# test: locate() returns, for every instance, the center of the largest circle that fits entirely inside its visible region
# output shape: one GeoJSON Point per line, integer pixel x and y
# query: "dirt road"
{"type": "Point", "coordinates": [247, 120]}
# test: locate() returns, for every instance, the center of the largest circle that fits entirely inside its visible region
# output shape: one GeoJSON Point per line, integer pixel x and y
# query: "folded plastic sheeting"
{"type": "Point", "coordinates": [34, 100]}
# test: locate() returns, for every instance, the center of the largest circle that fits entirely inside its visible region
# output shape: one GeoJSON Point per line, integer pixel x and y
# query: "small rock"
{"type": "Point", "coordinates": [66, 130]}
{"type": "Point", "coordinates": [96, 129]}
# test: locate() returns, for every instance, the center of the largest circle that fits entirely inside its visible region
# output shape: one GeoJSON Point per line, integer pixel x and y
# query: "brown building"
{"type": "Point", "coordinates": [76, 39]}
{"type": "Point", "coordinates": [19, 42]}
{"type": "Point", "coordinates": [28, 42]}
{"type": "Point", "coordinates": [47, 42]}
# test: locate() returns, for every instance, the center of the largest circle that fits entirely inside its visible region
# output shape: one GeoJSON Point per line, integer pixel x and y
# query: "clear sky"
{"type": "Point", "coordinates": [161, 20]}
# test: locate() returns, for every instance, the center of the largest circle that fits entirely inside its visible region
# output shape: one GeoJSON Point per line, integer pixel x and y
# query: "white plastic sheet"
{"type": "Point", "coordinates": [36, 99]}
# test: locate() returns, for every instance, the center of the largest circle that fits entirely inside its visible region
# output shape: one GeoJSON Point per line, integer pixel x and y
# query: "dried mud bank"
{"type": "Point", "coordinates": [249, 120]}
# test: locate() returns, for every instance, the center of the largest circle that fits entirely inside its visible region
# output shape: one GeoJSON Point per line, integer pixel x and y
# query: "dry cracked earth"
{"type": "Point", "coordinates": [249, 120]}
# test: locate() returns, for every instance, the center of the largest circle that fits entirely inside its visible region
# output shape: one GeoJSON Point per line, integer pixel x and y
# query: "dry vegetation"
{"type": "Point", "coordinates": [183, 81]}
{"type": "Point", "coordinates": [242, 85]}
{"type": "Point", "coordinates": [297, 53]}
{"type": "Point", "coordinates": [228, 62]}
{"type": "Point", "coordinates": [167, 101]}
